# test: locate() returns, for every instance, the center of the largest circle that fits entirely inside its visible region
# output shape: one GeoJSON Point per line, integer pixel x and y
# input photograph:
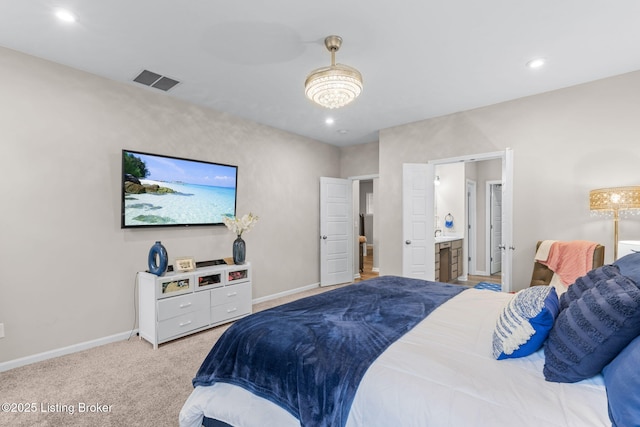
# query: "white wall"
{"type": "Point", "coordinates": [565, 143]}
{"type": "Point", "coordinates": [68, 270]}
{"type": "Point", "coordinates": [359, 160]}
{"type": "Point", "coordinates": [450, 198]}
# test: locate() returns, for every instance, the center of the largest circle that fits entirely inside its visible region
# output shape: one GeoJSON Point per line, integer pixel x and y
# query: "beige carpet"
{"type": "Point", "coordinates": [121, 384]}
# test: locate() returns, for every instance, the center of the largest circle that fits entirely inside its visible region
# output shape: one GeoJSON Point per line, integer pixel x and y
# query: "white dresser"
{"type": "Point", "coordinates": [625, 247]}
{"type": "Point", "coordinates": [179, 304]}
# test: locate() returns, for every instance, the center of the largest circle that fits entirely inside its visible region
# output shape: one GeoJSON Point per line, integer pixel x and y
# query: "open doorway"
{"type": "Point", "coordinates": [365, 227]}
{"type": "Point", "coordinates": [340, 225]}
{"type": "Point", "coordinates": [419, 230]}
{"type": "Point", "coordinates": [468, 191]}
{"type": "Point", "coordinates": [494, 227]}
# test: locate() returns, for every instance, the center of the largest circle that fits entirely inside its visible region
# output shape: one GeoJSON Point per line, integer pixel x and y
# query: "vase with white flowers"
{"type": "Point", "coordinates": [239, 226]}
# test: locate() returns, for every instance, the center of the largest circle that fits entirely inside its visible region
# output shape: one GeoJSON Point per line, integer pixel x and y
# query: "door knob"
{"type": "Point", "coordinates": [408, 242]}
{"type": "Point", "coordinates": [324, 237]}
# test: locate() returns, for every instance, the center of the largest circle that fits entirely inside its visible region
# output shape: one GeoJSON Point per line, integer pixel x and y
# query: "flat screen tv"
{"type": "Point", "coordinates": [165, 191]}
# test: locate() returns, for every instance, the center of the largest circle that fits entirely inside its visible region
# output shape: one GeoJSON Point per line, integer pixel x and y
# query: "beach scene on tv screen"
{"type": "Point", "coordinates": [167, 191]}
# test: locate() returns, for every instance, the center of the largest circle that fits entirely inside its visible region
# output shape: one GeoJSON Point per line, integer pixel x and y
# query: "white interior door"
{"type": "Point", "coordinates": [507, 220]}
{"type": "Point", "coordinates": [355, 226]}
{"type": "Point", "coordinates": [495, 227]}
{"type": "Point", "coordinates": [336, 231]}
{"type": "Point", "coordinates": [472, 220]}
{"type": "Point", "coordinates": [418, 254]}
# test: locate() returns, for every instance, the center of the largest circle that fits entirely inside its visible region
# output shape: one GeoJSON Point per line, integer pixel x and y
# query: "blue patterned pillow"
{"type": "Point", "coordinates": [622, 379]}
{"type": "Point", "coordinates": [630, 266]}
{"type": "Point", "coordinates": [592, 330]}
{"type": "Point", "coordinates": [525, 322]}
{"type": "Point", "coordinates": [585, 282]}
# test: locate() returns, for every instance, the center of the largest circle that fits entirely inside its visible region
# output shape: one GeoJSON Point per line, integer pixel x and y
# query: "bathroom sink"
{"type": "Point", "coordinates": [440, 239]}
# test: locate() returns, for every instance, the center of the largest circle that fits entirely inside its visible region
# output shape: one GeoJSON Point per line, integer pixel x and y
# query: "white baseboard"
{"type": "Point", "coordinates": [375, 269]}
{"type": "Point", "coordinates": [23, 361]}
{"type": "Point", "coordinates": [286, 293]}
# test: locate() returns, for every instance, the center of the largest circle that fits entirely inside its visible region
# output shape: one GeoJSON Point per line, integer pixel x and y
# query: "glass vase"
{"type": "Point", "coordinates": [239, 251]}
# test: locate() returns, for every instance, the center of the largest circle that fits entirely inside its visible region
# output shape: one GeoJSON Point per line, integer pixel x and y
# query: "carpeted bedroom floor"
{"type": "Point", "coordinates": [121, 384]}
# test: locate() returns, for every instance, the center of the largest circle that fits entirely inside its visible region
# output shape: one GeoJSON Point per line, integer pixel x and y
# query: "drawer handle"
{"type": "Point", "coordinates": [185, 305]}
{"type": "Point", "coordinates": [232, 294]}
{"type": "Point", "coordinates": [231, 310]}
{"type": "Point", "coordinates": [185, 323]}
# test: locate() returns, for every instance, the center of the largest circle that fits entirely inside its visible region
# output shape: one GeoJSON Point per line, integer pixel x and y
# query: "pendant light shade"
{"type": "Point", "coordinates": [336, 85]}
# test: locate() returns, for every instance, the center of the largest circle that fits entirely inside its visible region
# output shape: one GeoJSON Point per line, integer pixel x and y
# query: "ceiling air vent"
{"type": "Point", "coordinates": [155, 80]}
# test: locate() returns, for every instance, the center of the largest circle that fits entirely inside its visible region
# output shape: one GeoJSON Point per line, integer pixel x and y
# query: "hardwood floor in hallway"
{"type": "Point", "coordinates": [367, 272]}
{"type": "Point", "coordinates": [474, 280]}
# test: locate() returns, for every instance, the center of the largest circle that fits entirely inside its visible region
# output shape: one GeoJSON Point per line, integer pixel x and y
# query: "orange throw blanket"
{"type": "Point", "coordinates": [570, 260]}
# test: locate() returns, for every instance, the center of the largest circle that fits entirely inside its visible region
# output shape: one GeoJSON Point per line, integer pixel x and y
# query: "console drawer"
{"type": "Point", "coordinates": [183, 324]}
{"type": "Point", "coordinates": [239, 292]}
{"type": "Point", "coordinates": [176, 306]}
{"type": "Point", "coordinates": [221, 313]}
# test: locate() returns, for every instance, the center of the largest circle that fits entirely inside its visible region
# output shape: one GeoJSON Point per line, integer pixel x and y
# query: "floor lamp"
{"type": "Point", "coordinates": [613, 201]}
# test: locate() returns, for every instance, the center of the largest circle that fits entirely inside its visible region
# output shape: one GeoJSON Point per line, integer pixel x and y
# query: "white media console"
{"type": "Point", "coordinates": [181, 303]}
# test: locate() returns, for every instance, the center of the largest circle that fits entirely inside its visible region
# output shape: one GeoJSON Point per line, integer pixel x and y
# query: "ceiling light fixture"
{"type": "Point", "coordinates": [536, 63]}
{"type": "Point", "coordinates": [65, 15]}
{"type": "Point", "coordinates": [334, 86]}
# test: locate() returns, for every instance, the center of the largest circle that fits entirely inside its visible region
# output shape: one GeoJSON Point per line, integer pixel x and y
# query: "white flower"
{"type": "Point", "coordinates": [240, 225]}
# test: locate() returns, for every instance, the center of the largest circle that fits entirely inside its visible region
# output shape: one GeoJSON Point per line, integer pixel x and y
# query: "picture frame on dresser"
{"type": "Point", "coordinates": [184, 264]}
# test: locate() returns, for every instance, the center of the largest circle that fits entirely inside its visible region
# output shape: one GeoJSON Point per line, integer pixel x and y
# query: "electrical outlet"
{"type": "Point", "coordinates": [1, 330]}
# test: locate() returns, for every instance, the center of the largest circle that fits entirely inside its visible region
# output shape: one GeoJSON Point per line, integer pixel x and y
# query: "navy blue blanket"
{"type": "Point", "coordinates": [308, 356]}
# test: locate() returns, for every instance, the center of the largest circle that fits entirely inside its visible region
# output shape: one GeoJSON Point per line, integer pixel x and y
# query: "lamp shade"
{"type": "Point", "coordinates": [607, 201]}
{"type": "Point", "coordinates": [615, 201]}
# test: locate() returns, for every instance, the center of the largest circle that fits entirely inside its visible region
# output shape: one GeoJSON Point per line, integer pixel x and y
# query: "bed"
{"type": "Point", "coordinates": [441, 370]}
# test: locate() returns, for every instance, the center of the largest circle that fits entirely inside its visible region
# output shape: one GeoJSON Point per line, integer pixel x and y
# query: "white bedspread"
{"type": "Point", "coordinates": [439, 374]}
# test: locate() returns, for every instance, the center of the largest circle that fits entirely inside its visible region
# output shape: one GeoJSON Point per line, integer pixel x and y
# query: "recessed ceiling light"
{"type": "Point", "coordinates": [65, 15]}
{"type": "Point", "coordinates": [536, 63]}
{"type": "Point", "coordinates": [329, 121]}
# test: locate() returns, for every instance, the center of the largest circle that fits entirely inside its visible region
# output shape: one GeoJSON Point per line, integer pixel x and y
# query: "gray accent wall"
{"type": "Point", "coordinates": [68, 269]}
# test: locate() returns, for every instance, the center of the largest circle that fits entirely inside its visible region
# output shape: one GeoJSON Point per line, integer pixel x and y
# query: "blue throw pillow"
{"type": "Point", "coordinates": [525, 322]}
{"type": "Point", "coordinates": [630, 266]}
{"type": "Point", "coordinates": [585, 282]}
{"type": "Point", "coordinates": [592, 330]}
{"type": "Point", "coordinates": [622, 379]}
